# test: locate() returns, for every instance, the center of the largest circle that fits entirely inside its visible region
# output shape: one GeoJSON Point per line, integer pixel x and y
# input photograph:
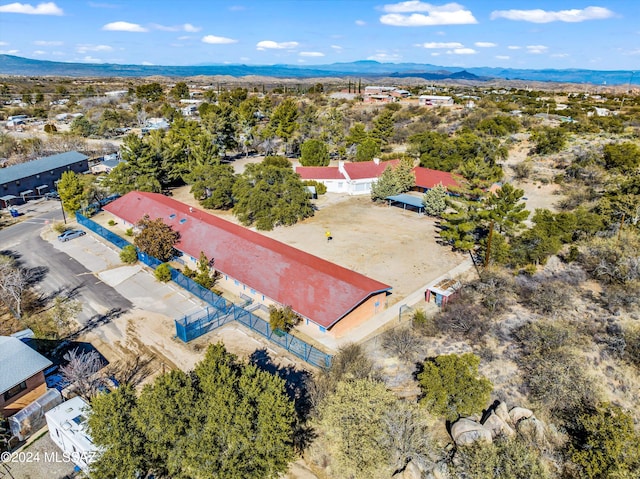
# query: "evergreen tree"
{"type": "Point", "coordinates": [383, 127]}
{"type": "Point", "coordinates": [435, 200]}
{"type": "Point", "coordinates": [314, 153]}
{"type": "Point", "coordinates": [506, 210]}
{"type": "Point", "coordinates": [212, 186]}
{"type": "Point", "coordinates": [71, 191]}
{"type": "Point", "coordinates": [367, 150]}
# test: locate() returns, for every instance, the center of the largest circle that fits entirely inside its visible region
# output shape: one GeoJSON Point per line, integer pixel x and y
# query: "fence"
{"type": "Point", "coordinates": [221, 311]}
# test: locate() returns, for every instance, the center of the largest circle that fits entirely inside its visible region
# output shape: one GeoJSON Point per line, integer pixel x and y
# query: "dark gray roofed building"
{"type": "Point", "coordinates": [35, 178]}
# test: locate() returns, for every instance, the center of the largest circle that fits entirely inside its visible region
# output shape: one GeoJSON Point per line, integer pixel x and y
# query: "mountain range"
{"type": "Point", "coordinates": [13, 65]}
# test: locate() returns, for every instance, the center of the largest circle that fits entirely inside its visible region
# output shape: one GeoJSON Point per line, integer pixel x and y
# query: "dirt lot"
{"type": "Point", "coordinates": [391, 245]}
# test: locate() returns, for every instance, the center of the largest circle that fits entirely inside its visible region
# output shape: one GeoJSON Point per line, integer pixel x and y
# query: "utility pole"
{"type": "Point", "coordinates": [488, 253]}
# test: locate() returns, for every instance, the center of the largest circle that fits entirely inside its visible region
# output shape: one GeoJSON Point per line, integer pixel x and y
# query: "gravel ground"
{"type": "Point", "coordinates": [41, 459]}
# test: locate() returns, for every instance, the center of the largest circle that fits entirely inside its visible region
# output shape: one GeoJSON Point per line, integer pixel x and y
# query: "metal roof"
{"type": "Point", "coordinates": [428, 178]}
{"type": "Point", "coordinates": [18, 362]}
{"type": "Point", "coordinates": [368, 169]}
{"type": "Point", "coordinates": [319, 173]}
{"type": "Point", "coordinates": [407, 200]}
{"type": "Point", "coordinates": [42, 165]}
{"type": "Point", "coordinates": [314, 288]}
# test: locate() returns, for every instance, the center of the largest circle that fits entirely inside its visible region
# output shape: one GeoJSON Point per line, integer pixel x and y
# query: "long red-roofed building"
{"type": "Point", "coordinates": [270, 272]}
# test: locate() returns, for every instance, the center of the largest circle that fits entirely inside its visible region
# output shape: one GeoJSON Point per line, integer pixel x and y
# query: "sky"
{"type": "Point", "coordinates": [598, 34]}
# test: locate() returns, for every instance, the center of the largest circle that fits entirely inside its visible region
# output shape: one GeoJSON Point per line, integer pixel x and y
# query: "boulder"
{"type": "Point", "coordinates": [497, 426]}
{"type": "Point", "coordinates": [503, 413]}
{"type": "Point", "coordinates": [412, 471]}
{"type": "Point", "coordinates": [440, 471]}
{"type": "Point", "coordinates": [518, 413]}
{"type": "Point", "coordinates": [465, 432]}
{"type": "Point", "coordinates": [532, 427]}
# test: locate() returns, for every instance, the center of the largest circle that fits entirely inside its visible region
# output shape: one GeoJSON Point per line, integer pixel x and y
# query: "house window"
{"type": "Point", "coordinates": [236, 282]}
{"type": "Point", "coordinates": [253, 291]}
{"type": "Point", "coordinates": [15, 390]}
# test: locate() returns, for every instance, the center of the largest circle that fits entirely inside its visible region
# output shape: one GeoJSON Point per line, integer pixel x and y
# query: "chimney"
{"type": "Point", "coordinates": [376, 161]}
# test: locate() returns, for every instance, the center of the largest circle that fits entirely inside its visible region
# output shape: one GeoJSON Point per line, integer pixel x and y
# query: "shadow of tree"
{"type": "Point", "coordinates": [297, 388]}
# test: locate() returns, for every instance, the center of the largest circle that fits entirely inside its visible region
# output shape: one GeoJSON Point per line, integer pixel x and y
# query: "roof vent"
{"type": "Point", "coordinates": [172, 216]}
{"type": "Point", "coordinates": [183, 220]}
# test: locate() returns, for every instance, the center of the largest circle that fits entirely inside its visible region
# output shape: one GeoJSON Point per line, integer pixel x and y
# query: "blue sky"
{"type": "Point", "coordinates": [600, 35]}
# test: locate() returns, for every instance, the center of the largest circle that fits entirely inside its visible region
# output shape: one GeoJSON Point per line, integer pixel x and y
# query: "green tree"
{"type": "Point", "coordinates": [506, 210]}
{"type": "Point", "coordinates": [607, 446]}
{"type": "Point", "coordinates": [203, 275]}
{"type": "Point", "coordinates": [269, 196]}
{"type": "Point", "coordinates": [212, 186]}
{"type": "Point", "coordinates": [156, 238]}
{"type": "Point", "coordinates": [283, 119]}
{"type": "Point", "coordinates": [283, 319]}
{"type": "Point", "coordinates": [82, 127]}
{"type": "Point", "coordinates": [624, 156]}
{"type": "Point", "coordinates": [383, 127]}
{"type": "Point", "coordinates": [163, 273]}
{"type": "Point", "coordinates": [548, 140]}
{"type": "Point", "coordinates": [393, 181]}
{"type": "Point", "coordinates": [129, 254]}
{"type": "Point", "coordinates": [179, 91]}
{"type": "Point", "coordinates": [221, 121]}
{"type": "Point", "coordinates": [352, 418]}
{"type": "Point", "coordinates": [451, 386]}
{"type": "Point", "coordinates": [150, 91]}
{"type": "Point", "coordinates": [357, 134]}
{"type": "Point", "coordinates": [71, 191]}
{"type": "Point", "coordinates": [367, 149]}
{"type": "Point", "coordinates": [314, 153]}
{"type": "Point", "coordinates": [435, 200]}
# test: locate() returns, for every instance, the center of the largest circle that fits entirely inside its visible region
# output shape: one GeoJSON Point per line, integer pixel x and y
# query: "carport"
{"type": "Point", "coordinates": [6, 200]}
{"type": "Point", "coordinates": [406, 200]}
{"type": "Point", "coordinates": [26, 193]}
{"type": "Point", "coordinates": [40, 188]}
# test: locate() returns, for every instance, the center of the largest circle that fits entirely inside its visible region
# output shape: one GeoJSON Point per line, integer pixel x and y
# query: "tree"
{"type": "Point", "coordinates": [284, 118]}
{"type": "Point", "coordinates": [212, 185]}
{"type": "Point", "coordinates": [156, 238]}
{"type": "Point", "coordinates": [607, 445]}
{"type": "Point", "coordinates": [71, 191]}
{"type": "Point", "coordinates": [383, 127]}
{"type": "Point", "coordinates": [624, 156]}
{"type": "Point", "coordinates": [269, 196]}
{"type": "Point", "coordinates": [367, 149]}
{"type": "Point", "coordinates": [150, 91]}
{"type": "Point", "coordinates": [352, 419]}
{"type": "Point", "coordinates": [163, 273]}
{"type": "Point", "coordinates": [283, 319]}
{"type": "Point", "coordinates": [81, 126]}
{"type": "Point", "coordinates": [357, 134]}
{"type": "Point", "coordinates": [548, 140]}
{"type": "Point", "coordinates": [314, 153]}
{"type": "Point", "coordinates": [129, 255]}
{"type": "Point", "coordinates": [203, 275]}
{"type": "Point", "coordinates": [451, 386]}
{"type": "Point", "coordinates": [393, 181]}
{"type": "Point", "coordinates": [14, 281]}
{"type": "Point", "coordinates": [81, 371]}
{"type": "Point", "coordinates": [179, 91]}
{"type": "Point", "coordinates": [224, 418]}
{"type": "Point", "coordinates": [435, 200]}
{"type": "Point", "coordinates": [506, 210]}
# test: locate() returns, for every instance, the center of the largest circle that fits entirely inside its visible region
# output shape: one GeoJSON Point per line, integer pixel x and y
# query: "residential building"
{"type": "Point", "coordinates": [35, 178]}
{"type": "Point", "coordinates": [67, 425]}
{"type": "Point", "coordinates": [435, 100]}
{"type": "Point", "coordinates": [330, 298]}
{"type": "Point", "coordinates": [21, 375]}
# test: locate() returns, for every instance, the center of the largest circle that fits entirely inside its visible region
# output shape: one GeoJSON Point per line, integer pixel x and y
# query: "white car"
{"type": "Point", "coordinates": [67, 235]}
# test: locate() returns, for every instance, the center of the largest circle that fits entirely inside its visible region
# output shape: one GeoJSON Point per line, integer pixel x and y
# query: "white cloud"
{"type": "Point", "coordinates": [90, 59]}
{"type": "Point", "coordinates": [124, 27]}
{"type": "Point", "coordinates": [503, 57]}
{"type": "Point", "coordinates": [514, 47]}
{"type": "Point", "coordinates": [215, 40]}
{"type": "Point", "coordinates": [336, 47]}
{"type": "Point", "coordinates": [48, 8]}
{"type": "Point", "coordinates": [547, 16]}
{"type": "Point", "coordinates": [485, 44]}
{"type": "Point", "coordinates": [448, 14]}
{"type": "Point", "coordinates": [537, 49]}
{"type": "Point", "coordinates": [441, 45]}
{"type": "Point", "coordinates": [93, 48]}
{"type": "Point", "coordinates": [187, 27]}
{"type": "Point", "coordinates": [382, 56]}
{"type": "Point", "coordinates": [360, 23]}
{"type": "Point", "coordinates": [462, 51]}
{"type": "Point", "coordinates": [311, 54]}
{"type": "Point", "coordinates": [560, 55]}
{"type": "Point", "coordinates": [46, 43]}
{"type": "Point", "coordinates": [39, 52]}
{"type": "Point", "coordinates": [184, 37]}
{"type": "Point", "coordinates": [3, 44]}
{"type": "Point", "coordinates": [271, 45]}
{"type": "Point", "coordinates": [9, 52]}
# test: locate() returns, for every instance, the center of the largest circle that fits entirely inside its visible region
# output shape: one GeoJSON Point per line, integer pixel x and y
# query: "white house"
{"type": "Point", "coordinates": [435, 100]}
{"type": "Point", "coordinates": [67, 425]}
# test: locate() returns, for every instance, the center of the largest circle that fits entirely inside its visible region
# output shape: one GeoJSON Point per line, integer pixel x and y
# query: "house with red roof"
{"type": "Point", "coordinates": [329, 297]}
{"type": "Point", "coordinates": [356, 178]}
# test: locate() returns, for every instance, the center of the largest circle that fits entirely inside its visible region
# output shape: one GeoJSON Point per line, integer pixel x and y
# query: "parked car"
{"type": "Point", "coordinates": [70, 234]}
{"type": "Point", "coordinates": [52, 195]}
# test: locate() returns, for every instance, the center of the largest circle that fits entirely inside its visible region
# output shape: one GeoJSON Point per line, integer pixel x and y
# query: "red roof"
{"type": "Point", "coordinates": [319, 173]}
{"type": "Point", "coordinates": [315, 288]}
{"type": "Point", "coordinates": [428, 178]}
{"type": "Point", "coordinates": [367, 169]}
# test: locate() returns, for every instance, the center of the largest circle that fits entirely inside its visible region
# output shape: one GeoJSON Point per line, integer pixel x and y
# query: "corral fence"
{"type": "Point", "coordinates": [220, 310]}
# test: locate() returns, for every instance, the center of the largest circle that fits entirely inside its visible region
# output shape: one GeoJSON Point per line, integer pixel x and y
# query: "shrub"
{"type": "Point", "coordinates": [111, 222]}
{"type": "Point", "coordinates": [59, 227]}
{"type": "Point", "coordinates": [50, 128]}
{"type": "Point", "coordinates": [401, 342]}
{"type": "Point", "coordinates": [424, 324]}
{"type": "Point", "coordinates": [283, 319]}
{"type": "Point", "coordinates": [129, 232]}
{"type": "Point", "coordinates": [163, 273]}
{"type": "Point", "coordinates": [321, 188]}
{"type": "Point", "coordinates": [129, 254]}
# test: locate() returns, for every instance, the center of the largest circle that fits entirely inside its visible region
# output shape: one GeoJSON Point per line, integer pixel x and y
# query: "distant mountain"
{"type": "Point", "coordinates": [12, 65]}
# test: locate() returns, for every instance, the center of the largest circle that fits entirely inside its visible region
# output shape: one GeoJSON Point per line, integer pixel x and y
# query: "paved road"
{"type": "Point", "coordinates": [61, 272]}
